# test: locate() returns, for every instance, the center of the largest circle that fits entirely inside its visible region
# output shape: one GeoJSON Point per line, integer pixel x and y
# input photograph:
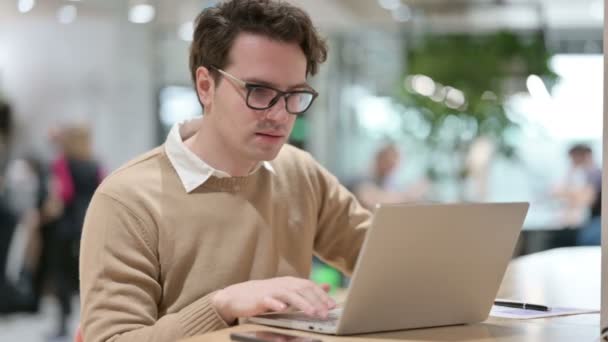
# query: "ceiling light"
{"type": "Point", "coordinates": [440, 93]}
{"type": "Point", "coordinates": [454, 98]}
{"type": "Point", "coordinates": [537, 88]}
{"type": "Point", "coordinates": [423, 85]}
{"type": "Point", "coordinates": [141, 13]}
{"type": "Point", "coordinates": [25, 6]}
{"type": "Point", "coordinates": [186, 31]}
{"type": "Point", "coordinates": [389, 4]}
{"type": "Point", "coordinates": [67, 14]}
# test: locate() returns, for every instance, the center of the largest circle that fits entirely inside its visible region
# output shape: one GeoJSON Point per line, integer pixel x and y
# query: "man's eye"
{"type": "Point", "coordinates": [263, 92]}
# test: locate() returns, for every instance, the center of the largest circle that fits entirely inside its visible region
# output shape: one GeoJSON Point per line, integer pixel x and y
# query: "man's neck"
{"type": "Point", "coordinates": [206, 144]}
{"type": "Point", "coordinates": [379, 176]}
{"type": "Point", "coordinates": [590, 165]}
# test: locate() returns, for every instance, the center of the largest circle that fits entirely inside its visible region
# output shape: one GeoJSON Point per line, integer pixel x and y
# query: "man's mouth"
{"type": "Point", "coordinates": [270, 135]}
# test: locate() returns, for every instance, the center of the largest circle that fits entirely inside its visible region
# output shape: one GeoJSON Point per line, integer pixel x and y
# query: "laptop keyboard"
{"type": "Point", "coordinates": [332, 317]}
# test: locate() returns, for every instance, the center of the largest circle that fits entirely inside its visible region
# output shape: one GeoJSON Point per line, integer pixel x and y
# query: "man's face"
{"type": "Point", "coordinates": [578, 159]}
{"type": "Point", "coordinates": [256, 135]}
{"type": "Point", "coordinates": [388, 161]}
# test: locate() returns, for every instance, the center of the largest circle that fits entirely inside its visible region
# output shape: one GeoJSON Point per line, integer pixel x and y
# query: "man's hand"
{"type": "Point", "coordinates": [259, 296]}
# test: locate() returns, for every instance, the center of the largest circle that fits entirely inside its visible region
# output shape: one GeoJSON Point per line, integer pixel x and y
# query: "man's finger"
{"type": "Point", "coordinates": [321, 292]}
{"type": "Point", "coordinates": [314, 295]}
{"type": "Point", "coordinates": [274, 304]}
{"type": "Point", "coordinates": [295, 300]}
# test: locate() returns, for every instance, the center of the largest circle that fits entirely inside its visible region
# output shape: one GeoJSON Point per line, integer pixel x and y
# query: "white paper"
{"type": "Point", "coordinates": [515, 313]}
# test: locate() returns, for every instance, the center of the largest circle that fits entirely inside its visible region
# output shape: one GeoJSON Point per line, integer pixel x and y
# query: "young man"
{"type": "Point", "coordinates": [587, 196]}
{"type": "Point", "coordinates": [222, 221]}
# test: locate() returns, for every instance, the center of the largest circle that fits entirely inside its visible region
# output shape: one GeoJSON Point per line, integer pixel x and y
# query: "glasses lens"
{"type": "Point", "coordinates": [299, 102]}
{"type": "Point", "coordinates": [261, 97]}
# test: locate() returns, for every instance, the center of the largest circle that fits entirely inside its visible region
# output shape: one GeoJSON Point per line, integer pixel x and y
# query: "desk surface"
{"type": "Point", "coordinates": [554, 277]}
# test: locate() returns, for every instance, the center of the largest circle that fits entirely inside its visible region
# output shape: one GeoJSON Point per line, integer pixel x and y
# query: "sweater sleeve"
{"type": "Point", "coordinates": [342, 222]}
{"type": "Point", "coordinates": [120, 286]}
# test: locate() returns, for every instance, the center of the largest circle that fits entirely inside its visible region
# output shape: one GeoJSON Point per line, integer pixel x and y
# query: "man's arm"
{"type": "Point", "coordinates": [119, 282]}
{"type": "Point", "coordinates": [342, 222]}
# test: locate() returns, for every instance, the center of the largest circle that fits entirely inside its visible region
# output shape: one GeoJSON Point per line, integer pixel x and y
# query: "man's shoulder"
{"type": "Point", "coordinates": [291, 155]}
{"type": "Point", "coordinates": [294, 162]}
{"type": "Point", "coordinates": [139, 173]}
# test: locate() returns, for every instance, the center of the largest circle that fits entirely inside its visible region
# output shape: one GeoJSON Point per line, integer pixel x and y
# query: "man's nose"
{"type": "Point", "coordinates": [278, 112]}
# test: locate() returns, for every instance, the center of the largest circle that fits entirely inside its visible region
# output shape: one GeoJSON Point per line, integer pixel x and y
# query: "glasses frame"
{"type": "Point", "coordinates": [285, 94]}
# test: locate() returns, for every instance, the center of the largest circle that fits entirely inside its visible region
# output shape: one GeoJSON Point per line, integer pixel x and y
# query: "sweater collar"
{"type": "Point", "coordinates": [192, 170]}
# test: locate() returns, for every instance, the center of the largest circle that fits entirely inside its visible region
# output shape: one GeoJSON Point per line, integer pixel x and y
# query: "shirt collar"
{"type": "Point", "coordinates": [192, 170]}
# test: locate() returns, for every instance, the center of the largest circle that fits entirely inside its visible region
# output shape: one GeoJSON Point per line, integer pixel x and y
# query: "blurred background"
{"type": "Point", "coordinates": [420, 100]}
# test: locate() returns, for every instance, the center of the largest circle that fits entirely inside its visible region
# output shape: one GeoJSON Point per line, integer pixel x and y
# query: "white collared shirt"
{"type": "Point", "coordinates": [192, 170]}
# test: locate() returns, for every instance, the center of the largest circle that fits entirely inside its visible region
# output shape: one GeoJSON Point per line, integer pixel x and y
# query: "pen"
{"type": "Point", "coordinates": [525, 306]}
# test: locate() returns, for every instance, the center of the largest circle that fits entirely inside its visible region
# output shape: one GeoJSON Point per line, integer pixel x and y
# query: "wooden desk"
{"type": "Point", "coordinates": [554, 277]}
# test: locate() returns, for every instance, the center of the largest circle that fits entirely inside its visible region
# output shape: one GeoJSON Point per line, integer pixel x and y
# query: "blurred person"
{"type": "Point", "coordinates": [30, 265]}
{"type": "Point", "coordinates": [25, 190]}
{"type": "Point", "coordinates": [582, 195]}
{"type": "Point", "coordinates": [222, 221]}
{"type": "Point", "coordinates": [24, 215]}
{"type": "Point", "coordinates": [30, 192]}
{"type": "Point", "coordinates": [75, 176]}
{"type": "Point", "coordinates": [18, 196]}
{"type": "Point", "coordinates": [8, 219]}
{"type": "Point", "coordinates": [477, 169]}
{"type": "Point", "coordinates": [380, 186]}
{"type": "Point", "coordinates": [6, 127]}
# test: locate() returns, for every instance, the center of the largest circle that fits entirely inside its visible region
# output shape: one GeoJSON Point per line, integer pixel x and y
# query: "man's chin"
{"type": "Point", "coordinates": [266, 153]}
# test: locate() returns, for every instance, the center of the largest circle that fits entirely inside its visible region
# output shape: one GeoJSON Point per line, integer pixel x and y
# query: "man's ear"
{"type": "Point", "coordinates": [205, 86]}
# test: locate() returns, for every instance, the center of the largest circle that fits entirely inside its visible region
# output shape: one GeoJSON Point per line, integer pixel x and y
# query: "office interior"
{"type": "Point", "coordinates": [481, 99]}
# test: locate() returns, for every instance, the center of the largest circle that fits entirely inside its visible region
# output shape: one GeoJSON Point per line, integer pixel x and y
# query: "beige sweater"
{"type": "Point", "coordinates": [152, 254]}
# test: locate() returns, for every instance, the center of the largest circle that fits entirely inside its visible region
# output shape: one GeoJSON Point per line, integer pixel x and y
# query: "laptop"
{"type": "Point", "coordinates": [422, 265]}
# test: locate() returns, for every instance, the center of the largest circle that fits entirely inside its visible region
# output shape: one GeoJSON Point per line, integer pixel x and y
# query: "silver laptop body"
{"type": "Point", "coordinates": [422, 265]}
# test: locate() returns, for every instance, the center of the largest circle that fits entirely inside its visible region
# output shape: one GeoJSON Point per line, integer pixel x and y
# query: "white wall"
{"type": "Point", "coordinates": [96, 70]}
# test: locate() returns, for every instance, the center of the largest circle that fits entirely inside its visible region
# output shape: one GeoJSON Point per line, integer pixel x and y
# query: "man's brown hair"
{"type": "Point", "coordinates": [217, 27]}
{"type": "Point", "coordinates": [579, 150]}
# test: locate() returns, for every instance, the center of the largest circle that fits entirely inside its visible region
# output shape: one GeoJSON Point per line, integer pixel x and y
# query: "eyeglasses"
{"type": "Point", "coordinates": [260, 97]}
